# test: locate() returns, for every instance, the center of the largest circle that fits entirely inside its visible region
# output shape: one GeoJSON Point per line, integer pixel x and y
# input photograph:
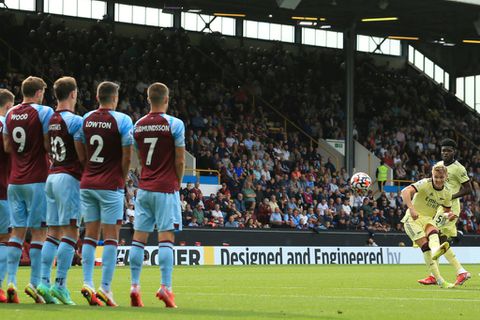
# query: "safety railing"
{"type": "Point", "coordinates": [397, 183]}
{"type": "Point", "coordinates": [203, 173]}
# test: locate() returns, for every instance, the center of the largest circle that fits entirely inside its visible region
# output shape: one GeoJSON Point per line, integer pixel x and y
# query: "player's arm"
{"type": "Point", "coordinates": [45, 113]}
{"type": "Point", "coordinates": [465, 189]}
{"type": "Point", "coordinates": [407, 196]}
{"type": "Point", "coordinates": [180, 163]}
{"type": "Point", "coordinates": [137, 153]}
{"type": "Point", "coordinates": [126, 132]}
{"type": "Point", "coordinates": [178, 130]}
{"type": "Point", "coordinates": [6, 144]}
{"type": "Point", "coordinates": [447, 209]}
{"type": "Point", "coordinates": [126, 159]}
{"type": "Point", "coordinates": [79, 143]}
{"type": "Point", "coordinates": [81, 149]}
{"type": "Point", "coordinates": [46, 145]}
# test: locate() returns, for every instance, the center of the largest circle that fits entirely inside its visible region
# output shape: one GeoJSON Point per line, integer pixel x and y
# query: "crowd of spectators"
{"type": "Point", "coordinates": [270, 177]}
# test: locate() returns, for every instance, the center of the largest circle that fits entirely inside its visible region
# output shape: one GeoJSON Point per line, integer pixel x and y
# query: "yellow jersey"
{"type": "Point", "coordinates": [427, 199]}
{"type": "Point", "coordinates": [457, 175]}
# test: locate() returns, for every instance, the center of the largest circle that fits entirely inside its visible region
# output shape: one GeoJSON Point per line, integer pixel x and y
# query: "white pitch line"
{"type": "Point", "coordinates": [333, 297]}
{"type": "Point", "coordinates": [456, 289]}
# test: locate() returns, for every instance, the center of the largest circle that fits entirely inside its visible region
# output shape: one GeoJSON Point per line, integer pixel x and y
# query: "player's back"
{"type": "Point", "coordinates": [62, 127]}
{"type": "Point", "coordinates": [156, 136]}
{"type": "Point", "coordinates": [4, 164]}
{"type": "Point", "coordinates": [104, 132]}
{"type": "Point", "coordinates": [26, 125]}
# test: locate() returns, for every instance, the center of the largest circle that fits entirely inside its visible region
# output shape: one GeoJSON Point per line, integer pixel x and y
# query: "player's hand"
{"type": "Point", "coordinates": [451, 216]}
{"type": "Point", "coordinates": [413, 213]}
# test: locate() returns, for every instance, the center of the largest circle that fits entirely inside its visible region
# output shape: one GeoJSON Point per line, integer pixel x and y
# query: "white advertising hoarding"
{"type": "Point", "coordinates": [295, 255]}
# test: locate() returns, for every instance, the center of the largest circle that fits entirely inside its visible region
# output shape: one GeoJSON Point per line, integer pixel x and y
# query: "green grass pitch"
{"type": "Point", "coordinates": [272, 292]}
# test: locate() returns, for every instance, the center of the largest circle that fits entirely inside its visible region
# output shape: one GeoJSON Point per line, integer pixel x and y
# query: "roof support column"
{"type": "Point", "coordinates": [349, 47]}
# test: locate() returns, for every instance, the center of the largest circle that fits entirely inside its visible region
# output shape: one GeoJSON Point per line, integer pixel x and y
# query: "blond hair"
{"type": "Point", "coordinates": [438, 167]}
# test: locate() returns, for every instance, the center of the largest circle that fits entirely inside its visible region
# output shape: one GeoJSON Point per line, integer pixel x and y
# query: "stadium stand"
{"type": "Point", "coordinates": [271, 177]}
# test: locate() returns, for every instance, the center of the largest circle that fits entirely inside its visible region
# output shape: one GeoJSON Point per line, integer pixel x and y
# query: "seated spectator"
{"type": "Point", "coordinates": [193, 222]}
{"type": "Point", "coordinates": [276, 219]}
{"type": "Point", "coordinates": [250, 224]}
{"type": "Point", "coordinates": [216, 213]}
{"type": "Point", "coordinates": [240, 203]}
{"type": "Point", "coordinates": [264, 211]}
{"type": "Point", "coordinates": [231, 223]}
{"type": "Point", "coordinates": [249, 195]}
{"type": "Point", "coordinates": [346, 207]}
{"type": "Point", "coordinates": [198, 213]}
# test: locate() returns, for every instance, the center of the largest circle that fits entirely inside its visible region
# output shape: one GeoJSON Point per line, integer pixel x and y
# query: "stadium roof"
{"type": "Point", "coordinates": [440, 25]}
{"type": "Point", "coordinates": [430, 20]}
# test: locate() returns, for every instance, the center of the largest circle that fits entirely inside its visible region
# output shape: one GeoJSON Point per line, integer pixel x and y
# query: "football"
{"type": "Point", "coordinates": [360, 182]}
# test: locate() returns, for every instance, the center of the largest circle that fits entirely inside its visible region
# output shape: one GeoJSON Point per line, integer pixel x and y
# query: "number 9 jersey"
{"type": "Point", "coordinates": [26, 125]}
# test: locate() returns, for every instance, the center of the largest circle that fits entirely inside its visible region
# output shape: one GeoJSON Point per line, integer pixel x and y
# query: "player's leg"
{"type": "Point", "coordinates": [67, 198]}
{"type": "Point", "coordinates": [49, 251]}
{"type": "Point", "coordinates": [36, 203]}
{"type": "Point", "coordinates": [415, 229]}
{"type": "Point", "coordinates": [90, 210]}
{"type": "Point", "coordinates": [66, 252]}
{"type": "Point", "coordinates": [18, 216]}
{"type": "Point", "coordinates": [144, 222]}
{"type": "Point", "coordinates": [462, 274]}
{"type": "Point", "coordinates": [52, 241]}
{"type": "Point", "coordinates": [111, 218]}
{"type": "Point", "coordinates": [434, 241]}
{"type": "Point", "coordinates": [3, 264]}
{"type": "Point", "coordinates": [168, 221]}
{"type": "Point", "coordinates": [432, 266]}
{"type": "Point", "coordinates": [165, 260]}
{"type": "Point", "coordinates": [4, 235]}
{"type": "Point", "coordinates": [136, 261]}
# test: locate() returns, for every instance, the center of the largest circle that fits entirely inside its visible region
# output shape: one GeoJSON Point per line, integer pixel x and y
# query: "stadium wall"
{"type": "Point", "coordinates": [293, 255]}
{"type": "Point", "coordinates": [285, 237]}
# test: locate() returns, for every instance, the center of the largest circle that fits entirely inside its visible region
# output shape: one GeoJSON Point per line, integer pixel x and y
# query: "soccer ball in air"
{"type": "Point", "coordinates": [360, 182]}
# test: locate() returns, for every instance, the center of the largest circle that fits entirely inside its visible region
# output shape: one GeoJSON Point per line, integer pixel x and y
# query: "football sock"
{"type": "Point", "coordinates": [165, 260]}
{"type": "Point", "coordinates": [3, 261]}
{"type": "Point", "coordinates": [452, 259]}
{"type": "Point", "coordinates": [109, 261]}
{"type": "Point", "coordinates": [35, 262]}
{"type": "Point", "coordinates": [432, 266]}
{"type": "Point", "coordinates": [88, 260]}
{"type": "Point", "coordinates": [136, 261]}
{"type": "Point", "coordinates": [49, 251]}
{"type": "Point", "coordinates": [66, 251]}
{"type": "Point", "coordinates": [14, 254]}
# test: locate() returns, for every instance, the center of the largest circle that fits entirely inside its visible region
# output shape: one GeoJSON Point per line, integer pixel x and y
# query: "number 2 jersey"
{"type": "Point", "coordinates": [62, 129]}
{"type": "Point", "coordinates": [25, 125]}
{"type": "Point", "coordinates": [156, 137]}
{"type": "Point", "coordinates": [104, 132]}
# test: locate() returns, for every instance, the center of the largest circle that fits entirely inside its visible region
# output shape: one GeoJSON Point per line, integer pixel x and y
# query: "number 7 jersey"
{"type": "Point", "coordinates": [104, 132]}
{"type": "Point", "coordinates": [156, 137]}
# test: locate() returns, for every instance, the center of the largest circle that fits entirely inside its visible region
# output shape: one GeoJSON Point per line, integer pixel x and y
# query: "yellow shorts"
{"type": "Point", "coordinates": [447, 228]}
{"type": "Point", "coordinates": [415, 229]}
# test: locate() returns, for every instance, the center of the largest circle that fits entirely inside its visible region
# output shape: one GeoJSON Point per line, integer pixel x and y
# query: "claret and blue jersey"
{"type": "Point", "coordinates": [25, 127]}
{"type": "Point", "coordinates": [105, 133]}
